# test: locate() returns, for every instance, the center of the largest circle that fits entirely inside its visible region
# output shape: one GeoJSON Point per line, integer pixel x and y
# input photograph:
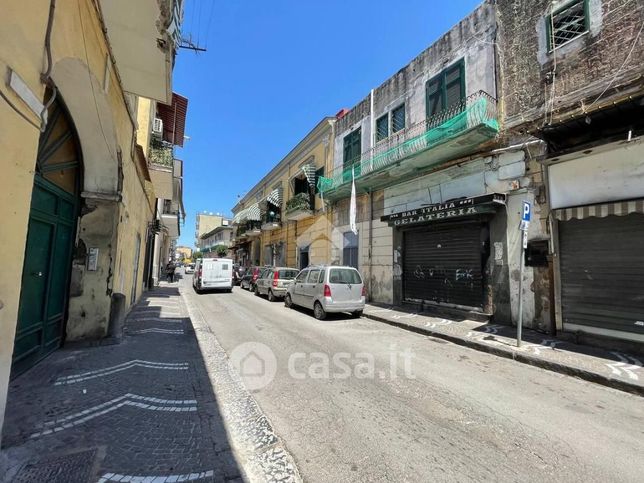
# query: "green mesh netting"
{"type": "Point", "coordinates": [476, 114]}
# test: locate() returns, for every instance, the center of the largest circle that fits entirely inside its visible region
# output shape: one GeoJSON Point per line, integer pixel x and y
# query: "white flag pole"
{"type": "Point", "coordinates": [352, 207]}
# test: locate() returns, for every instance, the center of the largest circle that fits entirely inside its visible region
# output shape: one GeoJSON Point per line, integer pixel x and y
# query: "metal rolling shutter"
{"type": "Point", "coordinates": [442, 263]}
{"type": "Point", "coordinates": [602, 272]}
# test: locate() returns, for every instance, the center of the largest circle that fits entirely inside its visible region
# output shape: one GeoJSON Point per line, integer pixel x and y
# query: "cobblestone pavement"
{"type": "Point", "coordinates": [142, 410]}
{"type": "Point", "coordinates": [609, 367]}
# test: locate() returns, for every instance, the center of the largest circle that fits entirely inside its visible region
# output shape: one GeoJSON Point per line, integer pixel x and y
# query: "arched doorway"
{"type": "Point", "coordinates": [50, 240]}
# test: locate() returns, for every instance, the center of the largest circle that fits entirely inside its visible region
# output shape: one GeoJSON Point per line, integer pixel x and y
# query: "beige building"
{"type": "Point", "coordinates": [76, 190]}
{"type": "Point", "coordinates": [183, 253]}
{"type": "Point", "coordinates": [282, 220]}
{"type": "Point", "coordinates": [206, 222]}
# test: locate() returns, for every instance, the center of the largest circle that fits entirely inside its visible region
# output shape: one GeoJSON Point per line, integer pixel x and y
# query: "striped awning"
{"type": "Point", "coordinates": [309, 172]}
{"type": "Point", "coordinates": [252, 213]}
{"type": "Point", "coordinates": [275, 197]}
{"type": "Point", "coordinates": [602, 210]}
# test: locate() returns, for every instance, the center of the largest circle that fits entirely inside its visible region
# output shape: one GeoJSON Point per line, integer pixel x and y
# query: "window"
{"type": "Point", "coordinates": [382, 127]}
{"type": "Point", "coordinates": [398, 119]}
{"type": "Point", "coordinates": [287, 274]}
{"type": "Point", "coordinates": [446, 89]}
{"type": "Point", "coordinates": [321, 278]}
{"type": "Point", "coordinates": [344, 275]}
{"type": "Point", "coordinates": [567, 23]}
{"type": "Point", "coordinates": [350, 250]}
{"type": "Point", "coordinates": [313, 276]}
{"type": "Point", "coordinates": [302, 276]}
{"type": "Point", "coordinates": [352, 147]}
{"type": "Point", "coordinates": [300, 185]}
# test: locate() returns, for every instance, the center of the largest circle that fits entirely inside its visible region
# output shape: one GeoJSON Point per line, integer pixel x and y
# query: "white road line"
{"type": "Point", "coordinates": [156, 479]}
{"type": "Point", "coordinates": [158, 331]}
{"type": "Point", "coordinates": [179, 366]}
{"type": "Point", "coordinates": [76, 419]}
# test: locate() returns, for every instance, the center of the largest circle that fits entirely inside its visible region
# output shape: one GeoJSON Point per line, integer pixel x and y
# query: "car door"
{"type": "Point", "coordinates": [298, 288]}
{"type": "Point", "coordinates": [310, 287]}
{"type": "Point", "coordinates": [263, 284]}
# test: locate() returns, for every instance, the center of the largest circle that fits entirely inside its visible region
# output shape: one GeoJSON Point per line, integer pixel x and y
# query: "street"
{"type": "Point", "coordinates": [464, 415]}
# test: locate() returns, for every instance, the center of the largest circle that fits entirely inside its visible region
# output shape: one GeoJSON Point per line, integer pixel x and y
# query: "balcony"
{"type": "Point", "coordinates": [271, 221]}
{"type": "Point", "coordinates": [299, 207]}
{"type": "Point", "coordinates": [144, 36]}
{"type": "Point", "coordinates": [250, 229]}
{"type": "Point", "coordinates": [450, 134]}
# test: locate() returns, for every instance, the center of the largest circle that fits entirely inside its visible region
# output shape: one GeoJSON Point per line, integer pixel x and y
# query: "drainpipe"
{"type": "Point", "coordinates": [370, 250]}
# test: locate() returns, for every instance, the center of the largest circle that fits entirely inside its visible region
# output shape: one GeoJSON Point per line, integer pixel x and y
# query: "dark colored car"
{"type": "Point", "coordinates": [250, 277]}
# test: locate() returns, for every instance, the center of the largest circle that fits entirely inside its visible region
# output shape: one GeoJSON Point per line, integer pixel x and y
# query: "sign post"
{"type": "Point", "coordinates": [525, 223]}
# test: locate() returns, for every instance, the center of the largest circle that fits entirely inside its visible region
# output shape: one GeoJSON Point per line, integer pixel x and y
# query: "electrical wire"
{"type": "Point", "coordinates": [212, 9]}
{"type": "Point", "coordinates": [18, 111]}
{"type": "Point", "coordinates": [630, 52]}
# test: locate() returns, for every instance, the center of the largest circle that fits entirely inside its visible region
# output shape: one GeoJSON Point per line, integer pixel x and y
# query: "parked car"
{"type": "Point", "coordinates": [190, 268]}
{"type": "Point", "coordinates": [326, 289]}
{"type": "Point", "coordinates": [250, 277]}
{"type": "Point", "coordinates": [274, 282]}
{"type": "Point", "coordinates": [213, 273]}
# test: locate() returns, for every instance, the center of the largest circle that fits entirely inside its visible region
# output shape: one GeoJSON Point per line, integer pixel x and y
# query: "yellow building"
{"type": "Point", "coordinates": [282, 221]}
{"type": "Point", "coordinates": [76, 198]}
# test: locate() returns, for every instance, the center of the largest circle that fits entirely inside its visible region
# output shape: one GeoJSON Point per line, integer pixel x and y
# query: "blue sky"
{"type": "Point", "coordinates": [273, 69]}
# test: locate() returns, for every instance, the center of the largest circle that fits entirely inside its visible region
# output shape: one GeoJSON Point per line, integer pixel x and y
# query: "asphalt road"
{"type": "Point", "coordinates": [463, 416]}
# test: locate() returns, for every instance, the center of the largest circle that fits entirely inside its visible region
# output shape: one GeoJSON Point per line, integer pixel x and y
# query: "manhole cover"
{"type": "Point", "coordinates": [71, 468]}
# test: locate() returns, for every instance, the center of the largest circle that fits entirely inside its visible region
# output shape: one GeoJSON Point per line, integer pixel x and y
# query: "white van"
{"type": "Point", "coordinates": [213, 274]}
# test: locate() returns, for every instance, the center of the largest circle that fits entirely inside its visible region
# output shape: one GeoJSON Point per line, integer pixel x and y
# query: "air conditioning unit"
{"type": "Point", "coordinates": [157, 127]}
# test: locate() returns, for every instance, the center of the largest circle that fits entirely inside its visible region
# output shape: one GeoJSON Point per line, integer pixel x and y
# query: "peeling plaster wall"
{"type": "Point", "coordinates": [584, 66]}
{"type": "Point", "coordinates": [472, 40]}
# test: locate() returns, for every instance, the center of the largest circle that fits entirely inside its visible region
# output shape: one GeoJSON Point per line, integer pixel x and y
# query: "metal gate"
{"type": "Point", "coordinates": [442, 263]}
{"type": "Point", "coordinates": [602, 273]}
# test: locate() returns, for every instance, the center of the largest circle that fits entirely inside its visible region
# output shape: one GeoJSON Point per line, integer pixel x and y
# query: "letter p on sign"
{"type": "Point", "coordinates": [527, 209]}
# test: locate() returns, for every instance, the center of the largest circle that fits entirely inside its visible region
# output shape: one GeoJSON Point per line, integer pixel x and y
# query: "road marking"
{"type": "Point", "coordinates": [172, 320]}
{"type": "Point", "coordinates": [179, 366]}
{"type": "Point", "coordinates": [133, 400]}
{"type": "Point", "coordinates": [545, 344]}
{"type": "Point", "coordinates": [157, 330]}
{"type": "Point", "coordinates": [156, 479]}
{"type": "Point", "coordinates": [627, 364]}
{"type": "Point", "coordinates": [442, 322]}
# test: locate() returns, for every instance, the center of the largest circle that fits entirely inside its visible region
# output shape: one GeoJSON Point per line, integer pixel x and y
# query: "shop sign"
{"type": "Point", "coordinates": [443, 211]}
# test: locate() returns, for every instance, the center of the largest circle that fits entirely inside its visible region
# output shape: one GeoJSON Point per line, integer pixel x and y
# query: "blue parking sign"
{"type": "Point", "coordinates": [527, 211]}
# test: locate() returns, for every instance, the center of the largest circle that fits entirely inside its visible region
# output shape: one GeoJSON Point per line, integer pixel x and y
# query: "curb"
{"type": "Point", "coordinates": [531, 360]}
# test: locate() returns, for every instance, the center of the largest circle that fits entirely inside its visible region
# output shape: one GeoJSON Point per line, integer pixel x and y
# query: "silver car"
{"type": "Point", "coordinates": [327, 288]}
{"type": "Point", "coordinates": [273, 282]}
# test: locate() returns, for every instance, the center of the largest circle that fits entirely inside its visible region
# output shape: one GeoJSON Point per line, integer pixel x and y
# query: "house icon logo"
{"type": "Point", "coordinates": [255, 363]}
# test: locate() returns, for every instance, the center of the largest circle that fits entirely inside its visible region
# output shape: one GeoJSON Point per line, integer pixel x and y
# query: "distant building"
{"type": "Point", "coordinates": [183, 252]}
{"type": "Point", "coordinates": [222, 235]}
{"type": "Point", "coordinates": [207, 222]}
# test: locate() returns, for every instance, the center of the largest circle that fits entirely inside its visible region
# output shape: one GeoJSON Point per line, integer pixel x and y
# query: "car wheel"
{"type": "Point", "coordinates": [318, 311]}
{"type": "Point", "coordinates": [271, 296]}
{"type": "Point", "coordinates": [288, 303]}
{"type": "Point", "coordinates": [357, 314]}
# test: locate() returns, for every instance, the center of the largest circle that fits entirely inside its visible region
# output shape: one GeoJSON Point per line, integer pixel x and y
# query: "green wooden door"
{"type": "Point", "coordinates": [50, 240]}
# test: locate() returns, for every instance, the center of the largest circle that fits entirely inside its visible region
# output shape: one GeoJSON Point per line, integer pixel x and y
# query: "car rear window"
{"type": "Point", "coordinates": [287, 274]}
{"type": "Point", "coordinates": [344, 275]}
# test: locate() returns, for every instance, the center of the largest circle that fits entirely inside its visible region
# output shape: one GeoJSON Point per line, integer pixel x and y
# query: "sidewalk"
{"type": "Point", "coordinates": [141, 410]}
{"type": "Point", "coordinates": [610, 368]}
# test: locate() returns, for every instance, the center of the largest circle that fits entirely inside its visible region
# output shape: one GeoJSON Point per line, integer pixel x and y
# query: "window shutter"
{"type": "Point", "coordinates": [398, 119]}
{"type": "Point", "coordinates": [382, 127]}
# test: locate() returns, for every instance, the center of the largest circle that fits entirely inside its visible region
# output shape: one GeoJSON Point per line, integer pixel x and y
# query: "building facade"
{"type": "Point", "coordinates": [440, 183]}
{"type": "Point", "coordinates": [282, 220]}
{"type": "Point", "coordinates": [221, 236]}
{"type": "Point", "coordinates": [204, 223]}
{"type": "Point", "coordinates": [76, 191]}
{"type": "Point", "coordinates": [572, 77]}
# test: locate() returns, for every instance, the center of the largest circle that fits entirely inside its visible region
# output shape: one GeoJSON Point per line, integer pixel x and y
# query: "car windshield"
{"type": "Point", "coordinates": [344, 275]}
{"type": "Point", "coordinates": [287, 274]}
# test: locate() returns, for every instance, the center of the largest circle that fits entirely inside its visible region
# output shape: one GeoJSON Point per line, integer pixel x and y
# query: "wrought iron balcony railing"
{"type": "Point", "coordinates": [479, 109]}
